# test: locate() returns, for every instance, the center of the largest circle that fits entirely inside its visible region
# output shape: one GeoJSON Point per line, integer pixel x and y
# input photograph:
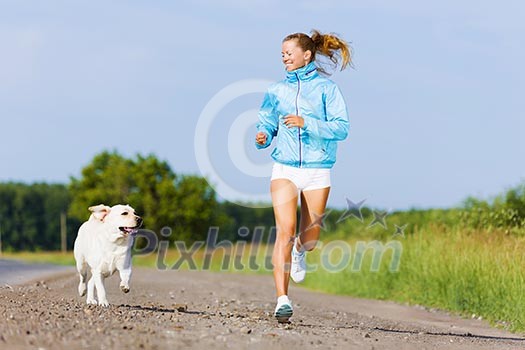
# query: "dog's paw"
{"type": "Point", "coordinates": [82, 289]}
{"type": "Point", "coordinates": [92, 301]}
{"type": "Point", "coordinates": [103, 303]}
{"type": "Point", "coordinates": [124, 289]}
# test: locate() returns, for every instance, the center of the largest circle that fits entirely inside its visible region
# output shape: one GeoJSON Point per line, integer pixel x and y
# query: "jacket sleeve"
{"type": "Point", "coordinates": [336, 125]}
{"type": "Point", "coordinates": [268, 120]}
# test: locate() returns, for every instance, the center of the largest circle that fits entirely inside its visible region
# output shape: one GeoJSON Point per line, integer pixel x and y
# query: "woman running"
{"type": "Point", "coordinates": [307, 115]}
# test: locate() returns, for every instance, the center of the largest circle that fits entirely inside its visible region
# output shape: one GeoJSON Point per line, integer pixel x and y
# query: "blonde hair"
{"type": "Point", "coordinates": [334, 48]}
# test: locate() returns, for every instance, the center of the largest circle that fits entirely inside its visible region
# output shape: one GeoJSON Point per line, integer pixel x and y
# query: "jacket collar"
{"type": "Point", "coordinates": [307, 72]}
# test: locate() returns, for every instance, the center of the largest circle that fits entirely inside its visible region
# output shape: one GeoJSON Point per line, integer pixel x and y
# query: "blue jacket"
{"type": "Point", "coordinates": [319, 101]}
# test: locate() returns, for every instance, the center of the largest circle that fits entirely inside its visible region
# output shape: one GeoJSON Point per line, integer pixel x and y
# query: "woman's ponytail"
{"type": "Point", "coordinates": [333, 47]}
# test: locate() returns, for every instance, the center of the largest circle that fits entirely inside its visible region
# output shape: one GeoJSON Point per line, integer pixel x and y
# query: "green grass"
{"type": "Point", "coordinates": [57, 258]}
{"type": "Point", "coordinates": [153, 260]}
{"type": "Point", "coordinates": [479, 273]}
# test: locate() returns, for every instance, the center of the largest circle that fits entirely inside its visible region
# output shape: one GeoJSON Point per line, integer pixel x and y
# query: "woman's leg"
{"type": "Point", "coordinates": [313, 205]}
{"type": "Point", "coordinates": [284, 199]}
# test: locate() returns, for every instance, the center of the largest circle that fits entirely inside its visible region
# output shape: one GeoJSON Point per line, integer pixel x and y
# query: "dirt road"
{"type": "Point", "coordinates": [175, 309]}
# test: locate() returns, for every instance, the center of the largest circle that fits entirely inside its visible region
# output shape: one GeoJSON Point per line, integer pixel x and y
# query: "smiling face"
{"type": "Point", "coordinates": [124, 218]}
{"type": "Point", "coordinates": [294, 56]}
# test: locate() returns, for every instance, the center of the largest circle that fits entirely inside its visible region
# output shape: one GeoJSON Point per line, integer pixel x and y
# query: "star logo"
{"type": "Point", "coordinates": [353, 209]}
{"type": "Point", "coordinates": [400, 230]}
{"type": "Point", "coordinates": [319, 220]}
{"type": "Point", "coordinates": [379, 218]}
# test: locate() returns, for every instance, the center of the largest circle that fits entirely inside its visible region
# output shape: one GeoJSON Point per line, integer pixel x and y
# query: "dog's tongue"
{"type": "Point", "coordinates": [130, 230]}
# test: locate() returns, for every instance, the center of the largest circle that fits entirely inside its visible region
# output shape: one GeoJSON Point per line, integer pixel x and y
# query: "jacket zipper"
{"type": "Point", "coordinates": [297, 114]}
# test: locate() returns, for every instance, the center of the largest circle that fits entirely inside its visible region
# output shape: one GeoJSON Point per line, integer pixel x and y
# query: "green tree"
{"type": "Point", "coordinates": [197, 209]}
{"type": "Point", "coordinates": [30, 216]}
{"type": "Point", "coordinates": [153, 192]}
{"type": "Point", "coordinates": [107, 179]}
{"type": "Point", "coordinates": [186, 204]}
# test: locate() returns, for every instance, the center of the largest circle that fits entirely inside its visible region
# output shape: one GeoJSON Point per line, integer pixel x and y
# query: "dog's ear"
{"type": "Point", "coordinates": [99, 211]}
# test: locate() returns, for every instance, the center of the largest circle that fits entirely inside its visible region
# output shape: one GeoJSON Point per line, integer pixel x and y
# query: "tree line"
{"type": "Point", "coordinates": [187, 204]}
{"type": "Point", "coordinates": [30, 214]}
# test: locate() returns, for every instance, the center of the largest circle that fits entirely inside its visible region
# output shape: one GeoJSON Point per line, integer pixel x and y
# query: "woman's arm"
{"type": "Point", "coordinates": [336, 125]}
{"type": "Point", "coordinates": [268, 121]}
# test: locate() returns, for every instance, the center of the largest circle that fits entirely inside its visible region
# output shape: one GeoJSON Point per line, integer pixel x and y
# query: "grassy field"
{"type": "Point", "coordinates": [469, 273]}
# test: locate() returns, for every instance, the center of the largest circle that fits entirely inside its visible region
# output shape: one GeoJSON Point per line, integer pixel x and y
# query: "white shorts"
{"type": "Point", "coordinates": [306, 179]}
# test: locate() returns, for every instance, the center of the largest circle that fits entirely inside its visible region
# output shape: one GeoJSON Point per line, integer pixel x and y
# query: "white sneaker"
{"type": "Point", "coordinates": [283, 310]}
{"type": "Point", "coordinates": [298, 267]}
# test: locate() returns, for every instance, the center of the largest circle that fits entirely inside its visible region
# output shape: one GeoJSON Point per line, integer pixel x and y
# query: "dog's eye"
{"type": "Point", "coordinates": [125, 213]}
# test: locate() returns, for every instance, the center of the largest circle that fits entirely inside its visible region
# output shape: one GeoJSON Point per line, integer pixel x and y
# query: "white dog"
{"type": "Point", "coordinates": [104, 245]}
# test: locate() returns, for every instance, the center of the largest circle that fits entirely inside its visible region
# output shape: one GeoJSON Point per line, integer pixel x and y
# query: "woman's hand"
{"type": "Point", "coordinates": [261, 138]}
{"type": "Point", "coordinates": [293, 121]}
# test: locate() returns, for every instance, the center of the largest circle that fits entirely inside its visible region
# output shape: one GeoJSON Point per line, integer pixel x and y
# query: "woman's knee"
{"type": "Point", "coordinates": [286, 229]}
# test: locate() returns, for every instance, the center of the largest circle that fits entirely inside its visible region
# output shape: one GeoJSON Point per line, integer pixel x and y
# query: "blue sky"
{"type": "Point", "coordinates": [434, 99]}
